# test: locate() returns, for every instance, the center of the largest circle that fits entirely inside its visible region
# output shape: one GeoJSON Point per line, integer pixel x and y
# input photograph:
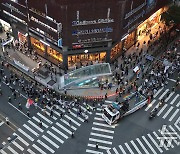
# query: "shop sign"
{"type": "Point", "coordinates": [93, 40]}
{"type": "Point", "coordinates": [43, 24]}
{"type": "Point", "coordinates": [135, 10]}
{"type": "Point", "coordinates": [92, 31]}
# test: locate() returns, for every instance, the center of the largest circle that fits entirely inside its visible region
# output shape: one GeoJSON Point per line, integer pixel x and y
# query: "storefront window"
{"type": "Point", "coordinates": [37, 44]}
{"type": "Point", "coordinates": [129, 40]}
{"type": "Point", "coordinates": [22, 37]}
{"type": "Point", "coordinates": [53, 53]}
{"type": "Point", "coordinates": [116, 50]}
{"type": "Point", "coordinates": [85, 58]}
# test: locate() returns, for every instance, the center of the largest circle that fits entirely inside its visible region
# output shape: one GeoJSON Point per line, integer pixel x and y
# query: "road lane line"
{"type": "Point", "coordinates": [25, 134]}
{"type": "Point", "coordinates": [12, 150]}
{"type": "Point", "coordinates": [45, 145]}
{"type": "Point", "coordinates": [115, 150]}
{"type": "Point", "coordinates": [21, 139]}
{"type": "Point", "coordinates": [43, 117]}
{"type": "Point", "coordinates": [57, 138]}
{"type": "Point", "coordinates": [157, 146]}
{"type": "Point", "coordinates": [101, 135]}
{"type": "Point", "coordinates": [64, 128]}
{"type": "Point", "coordinates": [50, 116]}
{"type": "Point", "coordinates": [128, 147]}
{"type": "Point", "coordinates": [30, 151]}
{"type": "Point", "coordinates": [74, 115]}
{"type": "Point", "coordinates": [2, 122]}
{"type": "Point", "coordinates": [163, 94]}
{"type": "Point", "coordinates": [166, 100]}
{"type": "Point", "coordinates": [103, 130]}
{"type": "Point", "coordinates": [64, 121]}
{"type": "Point", "coordinates": [50, 141]}
{"type": "Point", "coordinates": [99, 119]}
{"type": "Point", "coordinates": [162, 109]}
{"type": "Point", "coordinates": [31, 130]}
{"type": "Point", "coordinates": [75, 122]}
{"type": "Point", "coordinates": [99, 114]}
{"type": "Point", "coordinates": [2, 151]}
{"type": "Point", "coordinates": [38, 149]}
{"type": "Point", "coordinates": [135, 146]}
{"type": "Point", "coordinates": [34, 125]}
{"type": "Point", "coordinates": [149, 145]}
{"type": "Point", "coordinates": [43, 124]}
{"type": "Point", "coordinates": [158, 92]}
{"type": "Point", "coordinates": [172, 102]}
{"type": "Point", "coordinates": [104, 125]}
{"type": "Point", "coordinates": [142, 146]}
{"type": "Point", "coordinates": [150, 105]}
{"type": "Point", "coordinates": [94, 152]}
{"type": "Point", "coordinates": [165, 147]}
{"type": "Point", "coordinates": [121, 148]}
{"type": "Point", "coordinates": [170, 109]}
{"type": "Point", "coordinates": [59, 132]}
{"type": "Point", "coordinates": [100, 141]}
{"type": "Point", "coordinates": [174, 131]}
{"type": "Point", "coordinates": [174, 114]}
{"type": "Point", "coordinates": [178, 104]}
{"type": "Point", "coordinates": [17, 145]}
{"type": "Point", "coordinates": [100, 147]}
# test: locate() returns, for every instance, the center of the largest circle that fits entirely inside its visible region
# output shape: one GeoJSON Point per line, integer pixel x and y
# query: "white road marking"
{"type": "Point", "coordinates": [64, 121]}
{"type": "Point", "coordinates": [100, 147]}
{"type": "Point", "coordinates": [99, 119]}
{"type": "Point", "coordinates": [21, 139]}
{"type": "Point", "coordinates": [178, 104]}
{"type": "Point", "coordinates": [174, 131]}
{"type": "Point", "coordinates": [121, 148]}
{"type": "Point", "coordinates": [150, 105]}
{"type": "Point", "coordinates": [171, 79]}
{"type": "Point", "coordinates": [162, 109]}
{"type": "Point", "coordinates": [174, 114]}
{"type": "Point", "coordinates": [101, 135]}
{"type": "Point", "coordinates": [50, 116]}
{"type": "Point", "coordinates": [172, 102]}
{"type": "Point", "coordinates": [163, 94]}
{"type": "Point", "coordinates": [50, 141]}
{"type": "Point", "coordinates": [73, 114]}
{"type": "Point", "coordinates": [2, 151]}
{"type": "Point", "coordinates": [115, 151]}
{"type": "Point", "coordinates": [43, 117]}
{"type": "Point", "coordinates": [143, 147]}
{"type": "Point", "coordinates": [157, 146]}
{"type": "Point", "coordinates": [59, 132]}
{"type": "Point", "coordinates": [100, 141]}
{"type": "Point", "coordinates": [108, 152]}
{"type": "Point", "coordinates": [25, 134]}
{"type": "Point", "coordinates": [43, 124]}
{"type": "Point", "coordinates": [2, 122]}
{"type": "Point", "coordinates": [46, 146]}
{"type": "Point", "coordinates": [166, 100]}
{"type": "Point", "coordinates": [103, 130]}
{"type": "Point", "coordinates": [38, 149]}
{"type": "Point", "coordinates": [17, 145]}
{"type": "Point", "coordinates": [78, 124]}
{"type": "Point", "coordinates": [94, 152]}
{"type": "Point", "coordinates": [57, 138]}
{"type": "Point", "coordinates": [170, 109]}
{"type": "Point", "coordinates": [12, 150]}
{"type": "Point", "coordinates": [135, 146]}
{"type": "Point", "coordinates": [158, 92]}
{"type": "Point", "coordinates": [159, 141]}
{"type": "Point", "coordinates": [104, 125]}
{"type": "Point", "coordinates": [31, 130]}
{"type": "Point", "coordinates": [30, 151]}
{"type": "Point", "coordinates": [149, 145]}
{"type": "Point", "coordinates": [64, 128]}
{"type": "Point", "coordinates": [34, 125]}
{"type": "Point", "coordinates": [128, 147]}
{"type": "Point", "coordinates": [99, 114]}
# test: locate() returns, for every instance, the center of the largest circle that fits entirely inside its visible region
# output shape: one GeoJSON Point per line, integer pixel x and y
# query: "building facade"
{"type": "Point", "coordinates": [69, 33]}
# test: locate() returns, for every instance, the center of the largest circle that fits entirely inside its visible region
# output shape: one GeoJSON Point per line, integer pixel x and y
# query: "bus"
{"type": "Point", "coordinates": [131, 103]}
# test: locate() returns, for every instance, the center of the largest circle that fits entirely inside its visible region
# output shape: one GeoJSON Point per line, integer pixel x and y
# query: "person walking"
{"type": "Point", "coordinates": [28, 113]}
{"type": "Point", "coordinates": [7, 120]}
{"type": "Point", "coordinates": [51, 113]}
{"type": "Point", "coordinates": [19, 106]}
{"type": "Point", "coordinates": [40, 123]}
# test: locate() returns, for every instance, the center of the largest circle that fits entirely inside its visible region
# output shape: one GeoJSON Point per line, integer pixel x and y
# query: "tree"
{"type": "Point", "coordinates": [172, 15]}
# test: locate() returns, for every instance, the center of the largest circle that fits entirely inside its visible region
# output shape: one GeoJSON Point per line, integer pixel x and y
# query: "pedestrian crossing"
{"type": "Point", "coordinates": [101, 135]}
{"type": "Point", "coordinates": [149, 144]}
{"type": "Point", "coordinates": [33, 139]}
{"type": "Point", "coordinates": [170, 110]}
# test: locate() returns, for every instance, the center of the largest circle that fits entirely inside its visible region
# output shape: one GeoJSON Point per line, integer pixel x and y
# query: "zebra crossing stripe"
{"type": "Point", "coordinates": [31, 130]}
{"type": "Point", "coordinates": [103, 130]}
{"type": "Point", "coordinates": [174, 114]}
{"type": "Point", "coordinates": [150, 105]}
{"type": "Point", "coordinates": [174, 131]}
{"type": "Point", "coordinates": [21, 139]}
{"type": "Point", "coordinates": [57, 138]}
{"type": "Point", "coordinates": [46, 146]}
{"type": "Point", "coordinates": [135, 146]}
{"type": "Point", "coordinates": [12, 150]}
{"type": "Point", "coordinates": [164, 93]}
{"type": "Point", "coordinates": [175, 141]}
{"type": "Point", "coordinates": [53, 110]}
{"type": "Point", "coordinates": [143, 147]}
{"type": "Point", "coordinates": [108, 151]}
{"type": "Point", "coordinates": [99, 114]}
{"type": "Point", "coordinates": [59, 132]}
{"type": "Point", "coordinates": [104, 125]}
{"type": "Point", "coordinates": [101, 135]}
{"type": "Point", "coordinates": [50, 141]}
{"type": "Point", "coordinates": [177, 123]}
{"type": "Point", "coordinates": [34, 125]}
{"type": "Point", "coordinates": [36, 119]}
{"type": "Point", "coordinates": [99, 119]}
{"type": "Point", "coordinates": [78, 124]}
{"type": "Point", "coordinates": [64, 121]}
{"type": "Point", "coordinates": [157, 146]}
{"type": "Point", "coordinates": [38, 149]}
{"type": "Point", "coordinates": [43, 117]}
{"type": "Point", "coordinates": [170, 109]}
{"type": "Point", "coordinates": [100, 141]}
{"type": "Point", "coordinates": [115, 150]}
{"type": "Point", "coordinates": [30, 151]}
{"type": "Point", "coordinates": [64, 128]}
{"type": "Point", "coordinates": [100, 147]}
{"type": "Point", "coordinates": [94, 152]}
{"type": "Point", "coordinates": [169, 96]}
{"type": "Point", "coordinates": [172, 102]}
{"type": "Point", "coordinates": [158, 92]}
{"type": "Point", "coordinates": [165, 147]}
{"type": "Point", "coordinates": [162, 109]}
{"type": "Point", "coordinates": [3, 152]}
{"type": "Point", "coordinates": [50, 116]}
{"type": "Point", "coordinates": [171, 145]}
{"type": "Point", "coordinates": [73, 114]}
{"type": "Point", "coordinates": [17, 145]}
{"type": "Point", "coordinates": [128, 147]}
{"type": "Point", "coordinates": [149, 145]}
{"type": "Point", "coordinates": [121, 148]}
{"type": "Point", "coordinates": [25, 134]}
{"type": "Point", "coordinates": [178, 104]}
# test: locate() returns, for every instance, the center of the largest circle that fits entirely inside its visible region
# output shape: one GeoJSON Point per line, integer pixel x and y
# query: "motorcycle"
{"type": "Point", "coordinates": [153, 113]}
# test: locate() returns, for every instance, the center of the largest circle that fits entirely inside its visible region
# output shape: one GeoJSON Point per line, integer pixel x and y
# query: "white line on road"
{"type": "Point", "coordinates": [166, 100]}
{"type": "Point", "coordinates": [2, 122]}
{"type": "Point", "coordinates": [30, 151]}
{"type": "Point", "coordinates": [150, 105]}
{"type": "Point", "coordinates": [50, 141]}
{"type": "Point", "coordinates": [57, 138]}
{"type": "Point", "coordinates": [174, 114]}
{"type": "Point", "coordinates": [43, 117]}
{"type": "Point", "coordinates": [34, 125]}
{"type": "Point", "coordinates": [121, 148]}
{"type": "Point", "coordinates": [172, 102]}
{"type": "Point", "coordinates": [78, 124]}
{"type": "Point", "coordinates": [178, 104]}
{"type": "Point", "coordinates": [162, 109]}
{"type": "Point", "coordinates": [25, 134]}
{"type": "Point", "coordinates": [94, 152]}
{"type": "Point", "coordinates": [2, 151]}
{"type": "Point", "coordinates": [100, 147]}
{"type": "Point", "coordinates": [171, 79]}
{"type": "Point", "coordinates": [143, 147]}
{"type": "Point", "coordinates": [170, 109]}
{"type": "Point", "coordinates": [31, 130]}
{"type": "Point", "coordinates": [103, 130]}
{"type": "Point", "coordinates": [64, 128]}
{"type": "Point", "coordinates": [164, 93]}
{"type": "Point", "coordinates": [128, 147]}
{"type": "Point", "coordinates": [64, 121]}
{"type": "Point", "coordinates": [149, 145]}
{"type": "Point", "coordinates": [104, 125]}
{"type": "Point", "coordinates": [59, 132]}
{"type": "Point", "coordinates": [101, 135]}
{"type": "Point", "coordinates": [12, 150]}
{"type": "Point", "coordinates": [100, 141]}
{"type": "Point", "coordinates": [115, 150]}
{"type": "Point", "coordinates": [99, 119]}
{"type": "Point", "coordinates": [43, 124]}
{"type": "Point", "coordinates": [135, 146]}
{"type": "Point", "coordinates": [38, 149]}
{"type": "Point", "coordinates": [158, 92]}
{"type": "Point", "coordinates": [17, 145]}
{"type": "Point", "coordinates": [46, 146]}
{"type": "Point", "coordinates": [21, 139]}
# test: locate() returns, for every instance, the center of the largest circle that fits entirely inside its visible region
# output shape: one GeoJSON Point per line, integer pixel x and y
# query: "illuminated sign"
{"type": "Point", "coordinates": [92, 40]}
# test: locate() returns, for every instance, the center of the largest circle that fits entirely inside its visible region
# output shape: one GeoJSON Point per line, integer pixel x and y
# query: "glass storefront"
{"type": "Point", "coordinates": [116, 50]}
{"type": "Point", "coordinates": [55, 54]}
{"type": "Point", "coordinates": [129, 40]}
{"type": "Point", "coordinates": [85, 58]}
{"type": "Point", "coordinates": [22, 37]}
{"type": "Point", "coordinates": [37, 44]}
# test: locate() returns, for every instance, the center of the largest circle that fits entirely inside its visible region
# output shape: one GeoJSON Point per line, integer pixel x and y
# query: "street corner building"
{"type": "Point", "coordinates": [68, 32]}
